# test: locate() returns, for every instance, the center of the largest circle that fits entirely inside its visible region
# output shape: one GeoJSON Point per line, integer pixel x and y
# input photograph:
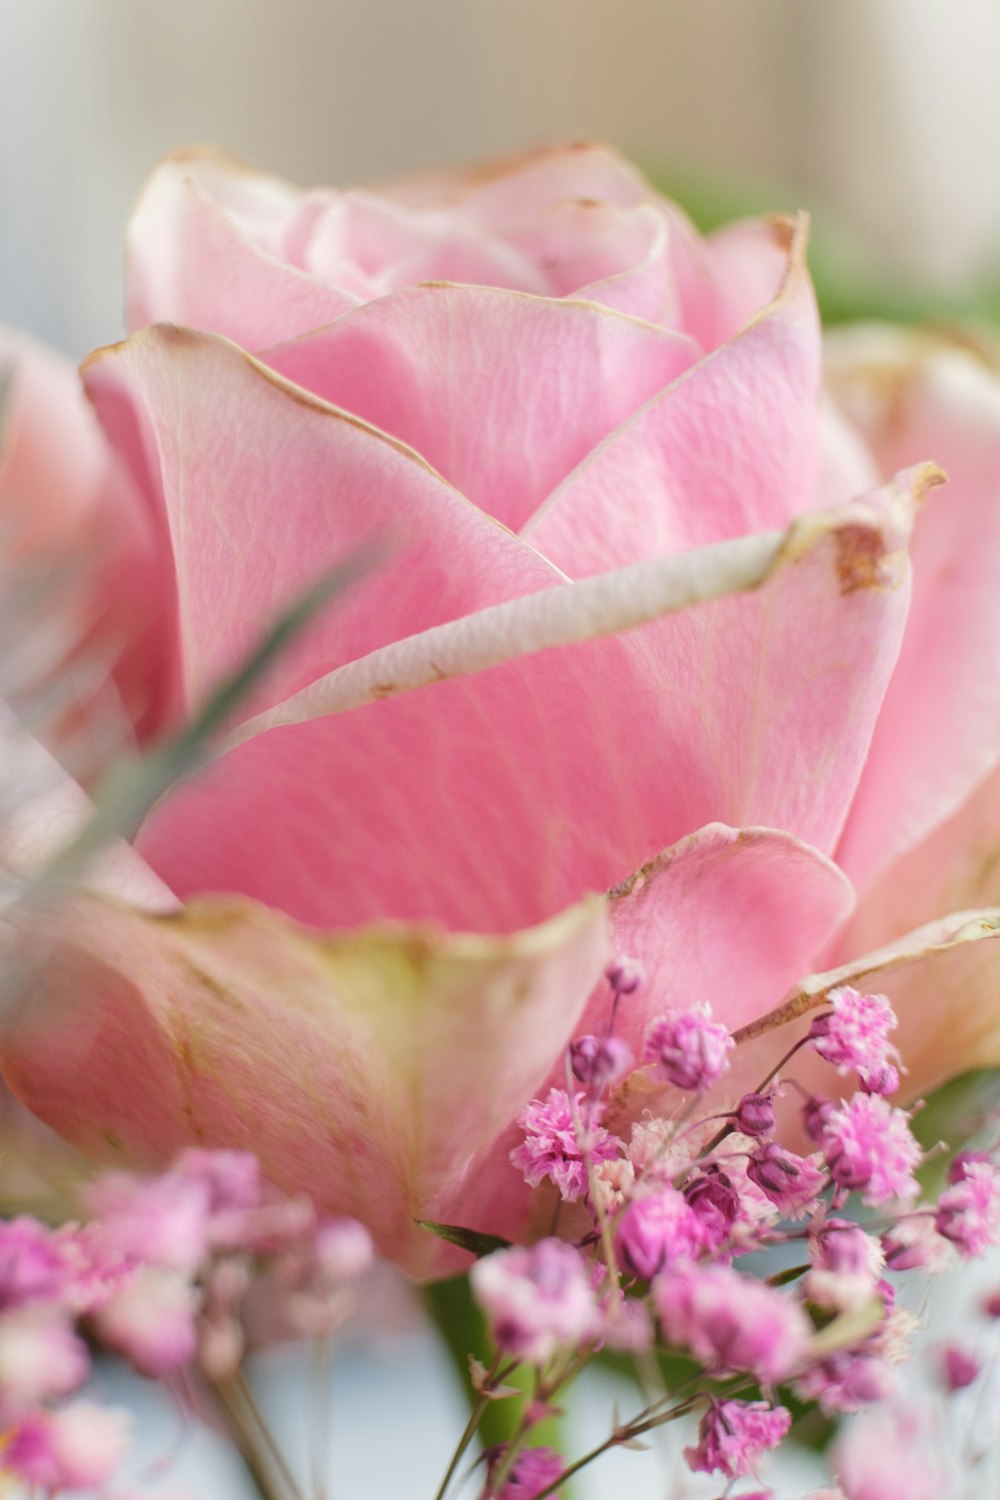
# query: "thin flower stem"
{"type": "Point", "coordinates": [729, 1128]}
{"type": "Point", "coordinates": [322, 1372]}
{"type": "Point", "coordinates": [607, 1239]}
{"type": "Point", "coordinates": [493, 1376]}
{"type": "Point", "coordinates": [244, 1441]}
{"type": "Point", "coordinates": [621, 1435]}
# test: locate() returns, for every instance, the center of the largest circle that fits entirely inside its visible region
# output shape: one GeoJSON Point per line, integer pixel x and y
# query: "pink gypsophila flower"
{"type": "Point", "coordinates": [658, 1230]}
{"type": "Point", "coordinates": [968, 1213]}
{"type": "Point", "coordinates": [869, 1147]}
{"type": "Point", "coordinates": [687, 1049]}
{"type": "Point", "coordinates": [537, 1300]}
{"type": "Point", "coordinates": [558, 1145]}
{"type": "Point", "coordinates": [731, 1323]}
{"type": "Point", "coordinates": [891, 1455]}
{"type": "Point", "coordinates": [151, 1320]}
{"type": "Point", "coordinates": [77, 1448]}
{"type": "Point", "coordinates": [31, 1266]}
{"type": "Point", "coordinates": [40, 1358]}
{"type": "Point", "coordinates": [855, 1034]}
{"type": "Point", "coordinates": [161, 1220]}
{"type": "Point", "coordinates": [532, 1472]}
{"type": "Point", "coordinates": [734, 1435]}
{"type": "Point", "coordinates": [791, 1182]}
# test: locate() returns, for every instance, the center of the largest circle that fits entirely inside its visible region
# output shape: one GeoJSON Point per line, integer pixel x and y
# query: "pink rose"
{"type": "Point", "coordinates": [76, 547]}
{"type": "Point", "coordinates": [636, 634]}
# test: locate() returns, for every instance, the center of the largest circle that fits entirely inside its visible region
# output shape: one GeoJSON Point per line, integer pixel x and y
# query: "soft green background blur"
{"type": "Point", "coordinates": [880, 116]}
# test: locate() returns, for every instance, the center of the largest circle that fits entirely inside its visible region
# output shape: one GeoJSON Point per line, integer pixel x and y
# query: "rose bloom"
{"type": "Point", "coordinates": [663, 654]}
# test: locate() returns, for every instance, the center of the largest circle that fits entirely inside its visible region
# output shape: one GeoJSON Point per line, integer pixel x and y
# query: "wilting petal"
{"type": "Point", "coordinates": [204, 249]}
{"type": "Point", "coordinates": [943, 980]}
{"type": "Point", "coordinates": [748, 263]}
{"type": "Point", "coordinates": [364, 1071]}
{"type": "Point", "coordinates": [518, 188]}
{"type": "Point", "coordinates": [731, 447]}
{"type": "Point", "coordinates": [729, 710]}
{"type": "Point", "coordinates": [938, 736]}
{"type": "Point", "coordinates": [502, 393]}
{"type": "Point", "coordinates": [950, 1016]}
{"type": "Point", "coordinates": [263, 486]}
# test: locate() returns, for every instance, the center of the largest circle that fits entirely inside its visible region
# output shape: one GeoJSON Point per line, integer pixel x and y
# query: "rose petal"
{"type": "Point", "coordinates": [70, 518]}
{"type": "Point", "coordinates": [950, 1016]}
{"type": "Point", "coordinates": [262, 486]}
{"type": "Point", "coordinates": [502, 393]}
{"type": "Point", "coordinates": [937, 737]}
{"type": "Point", "coordinates": [204, 249]}
{"type": "Point", "coordinates": [364, 1071]}
{"type": "Point", "coordinates": [730, 447]}
{"type": "Point", "coordinates": [728, 917]}
{"type": "Point", "coordinates": [531, 816]}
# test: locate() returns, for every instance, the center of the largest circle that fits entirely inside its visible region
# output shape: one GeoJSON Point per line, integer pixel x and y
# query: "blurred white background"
{"type": "Point", "coordinates": [885, 113]}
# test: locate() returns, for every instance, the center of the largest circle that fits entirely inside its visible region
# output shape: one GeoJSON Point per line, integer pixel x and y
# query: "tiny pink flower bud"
{"type": "Point", "coordinates": [76, 1448]}
{"type": "Point", "coordinates": [31, 1266]}
{"type": "Point", "coordinates": [560, 1136]}
{"type": "Point", "coordinates": [791, 1182]}
{"type": "Point", "coordinates": [656, 1231]}
{"type": "Point", "coordinates": [537, 1300]}
{"type": "Point", "coordinates": [151, 1321]}
{"type": "Point", "coordinates": [687, 1049]}
{"type": "Point", "coordinates": [532, 1472]}
{"type": "Point", "coordinates": [855, 1034]}
{"type": "Point", "coordinates": [815, 1113]}
{"type": "Point", "coordinates": [881, 1080]}
{"type": "Point", "coordinates": [716, 1201]}
{"type": "Point", "coordinates": [868, 1146]}
{"type": "Point", "coordinates": [845, 1265]}
{"type": "Point", "coordinates": [733, 1436]}
{"type": "Point", "coordinates": [991, 1305]}
{"type": "Point", "coordinates": [959, 1368]}
{"type": "Point", "coordinates": [599, 1061]}
{"type": "Point", "coordinates": [40, 1358]}
{"type": "Point", "coordinates": [968, 1213]}
{"type": "Point", "coordinates": [754, 1115]}
{"type": "Point", "coordinates": [960, 1164]}
{"type": "Point", "coordinates": [625, 975]}
{"type": "Point", "coordinates": [913, 1244]}
{"type": "Point", "coordinates": [730, 1323]}
{"type": "Point", "coordinates": [846, 1381]}
{"type": "Point", "coordinates": [343, 1250]}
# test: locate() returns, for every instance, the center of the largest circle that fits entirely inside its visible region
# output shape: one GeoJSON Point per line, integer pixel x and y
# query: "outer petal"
{"type": "Point", "coordinates": [731, 447]}
{"type": "Point", "coordinates": [262, 486]}
{"type": "Point", "coordinates": [507, 793]}
{"type": "Point", "coordinates": [364, 1071]}
{"type": "Point", "coordinates": [204, 248]}
{"type": "Point", "coordinates": [950, 1015]}
{"type": "Point", "coordinates": [502, 393]}
{"type": "Point", "coordinates": [942, 978]}
{"type": "Point", "coordinates": [67, 508]}
{"type": "Point", "coordinates": [939, 732]}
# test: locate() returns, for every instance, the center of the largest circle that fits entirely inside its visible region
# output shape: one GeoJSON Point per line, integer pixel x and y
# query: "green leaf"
{"type": "Point", "coordinates": [473, 1240]}
{"type": "Point", "coordinates": [953, 1114]}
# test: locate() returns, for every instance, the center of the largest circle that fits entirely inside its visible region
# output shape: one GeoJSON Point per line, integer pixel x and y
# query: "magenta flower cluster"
{"type": "Point", "coordinates": [668, 1204]}
{"type": "Point", "coordinates": [158, 1275]}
